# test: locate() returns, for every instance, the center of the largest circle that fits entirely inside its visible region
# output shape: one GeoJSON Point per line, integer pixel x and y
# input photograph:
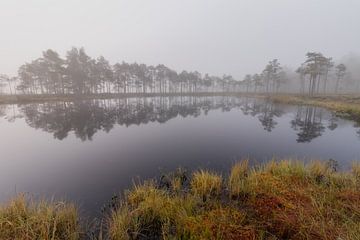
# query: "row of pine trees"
{"type": "Point", "coordinates": [78, 73]}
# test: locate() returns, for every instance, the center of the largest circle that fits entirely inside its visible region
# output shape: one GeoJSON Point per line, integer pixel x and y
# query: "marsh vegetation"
{"type": "Point", "coordinates": [278, 200]}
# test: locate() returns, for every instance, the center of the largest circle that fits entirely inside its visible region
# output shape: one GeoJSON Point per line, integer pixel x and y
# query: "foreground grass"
{"type": "Point", "coordinates": [347, 106]}
{"type": "Point", "coordinates": [22, 219]}
{"type": "Point", "coordinates": [280, 200]}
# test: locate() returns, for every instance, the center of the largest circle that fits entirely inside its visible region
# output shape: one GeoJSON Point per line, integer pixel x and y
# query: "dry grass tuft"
{"type": "Point", "coordinates": [206, 184]}
{"type": "Point", "coordinates": [238, 178]}
{"type": "Point", "coordinates": [150, 211]}
{"type": "Point", "coordinates": [355, 168]}
{"type": "Point", "coordinates": [26, 220]}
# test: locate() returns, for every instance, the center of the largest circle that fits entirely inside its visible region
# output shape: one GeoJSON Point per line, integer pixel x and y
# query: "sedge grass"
{"type": "Point", "coordinates": [284, 200]}
{"type": "Point", "coordinates": [24, 219]}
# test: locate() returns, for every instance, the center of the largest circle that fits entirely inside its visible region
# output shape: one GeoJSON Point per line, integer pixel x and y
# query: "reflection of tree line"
{"type": "Point", "coordinates": [308, 122]}
{"type": "Point", "coordinates": [264, 110]}
{"type": "Point", "coordinates": [85, 118]}
{"type": "Point", "coordinates": [2, 110]}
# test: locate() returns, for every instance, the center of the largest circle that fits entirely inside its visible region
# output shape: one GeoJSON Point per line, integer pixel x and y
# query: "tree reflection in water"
{"type": "Point", "coordinates": [308, 123]}
{"type": "Point", "coordinates": [86, 118]}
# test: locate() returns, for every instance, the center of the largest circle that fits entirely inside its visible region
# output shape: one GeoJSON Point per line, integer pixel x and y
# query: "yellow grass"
{"type": "Point", "coordinates": [206, 184]}
{"type": "Point", "coordinates": [23, 219]}
{"type": "Point", "coordinates": [280, 200]}
{"type": "Point", "coordinates": [238, 178]}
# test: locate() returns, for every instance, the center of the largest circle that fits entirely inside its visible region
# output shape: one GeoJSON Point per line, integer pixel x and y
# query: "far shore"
{"type": "Point", "coordinates": [345, 105]}
{"type": "Point", "coordinates": [31, 98]}
{"type": "Point", "coordinates": [280, 97]}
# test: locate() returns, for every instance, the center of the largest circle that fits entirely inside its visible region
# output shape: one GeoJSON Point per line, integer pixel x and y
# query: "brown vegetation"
{"type": "Point", "coordinates": [281, 200]}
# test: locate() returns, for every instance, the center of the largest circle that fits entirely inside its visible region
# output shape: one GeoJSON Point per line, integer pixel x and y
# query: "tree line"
{"type": "Point", "coordinates": [313, 75]}
{"type": "Point", "coordinates": [78, 73]}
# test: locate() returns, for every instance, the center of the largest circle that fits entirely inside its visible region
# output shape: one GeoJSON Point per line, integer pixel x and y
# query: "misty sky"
{"type": "Point", "coordinates": [215, 36]}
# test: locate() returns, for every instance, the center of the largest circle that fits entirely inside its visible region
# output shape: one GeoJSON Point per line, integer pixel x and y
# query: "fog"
{"type": "Point", "coordinates": [210, 36]}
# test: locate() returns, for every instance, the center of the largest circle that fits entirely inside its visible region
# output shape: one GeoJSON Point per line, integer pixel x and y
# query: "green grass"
{"type": "Point", "coordinates": [24, 219]}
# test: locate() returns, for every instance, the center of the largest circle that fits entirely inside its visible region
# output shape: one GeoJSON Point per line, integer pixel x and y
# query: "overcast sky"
{"type": "Point", "coordinates": [215, 36]}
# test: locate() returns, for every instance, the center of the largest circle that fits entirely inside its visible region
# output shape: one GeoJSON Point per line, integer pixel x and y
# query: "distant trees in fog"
{"type": "Point", "coordinates": [340, 74]}
{"type": "Point", "coordinates": [269, 80]}
{"type": "Point", "coordinates": [78, 73]}
{"type": "Point", "coordinates": [317, 68]}
{"type": "Point", "coordinates": [313, 76]}
{"type": "Point", "coordinates": [7, 81]}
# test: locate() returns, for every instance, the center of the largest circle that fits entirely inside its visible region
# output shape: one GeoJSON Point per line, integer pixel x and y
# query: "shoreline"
{"type": "Point", "coordinates": [33, 98]}
{"type": "Point", "coordinates": [344, 105]}
{"type": "Point", "coordinates": [283, 199]}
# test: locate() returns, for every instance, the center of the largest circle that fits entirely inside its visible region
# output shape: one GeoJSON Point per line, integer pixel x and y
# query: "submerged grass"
{"type": "Point", "coordinates": [24, 219]}
{"type": "Point", "coordinates": [278, 200]}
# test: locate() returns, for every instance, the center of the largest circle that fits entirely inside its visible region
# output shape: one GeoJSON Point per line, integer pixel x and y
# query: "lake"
{"type": "Point", "coordinates": [86, 151]}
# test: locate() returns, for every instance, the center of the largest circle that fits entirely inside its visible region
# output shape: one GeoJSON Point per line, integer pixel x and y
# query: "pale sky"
{"type": "Point", "coordinates": [212, 36]}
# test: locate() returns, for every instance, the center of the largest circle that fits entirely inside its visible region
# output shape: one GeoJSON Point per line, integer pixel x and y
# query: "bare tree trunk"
{"type": "Point", "coordinates": [318, 84]}
{"type": "Point", "coordinates": [325, 81]}
{"type": "Point", "coordinates": [337, 85]}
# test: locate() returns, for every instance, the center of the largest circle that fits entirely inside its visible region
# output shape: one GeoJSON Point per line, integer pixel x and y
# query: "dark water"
{"type": "Point", "coordinates": [87, 151]}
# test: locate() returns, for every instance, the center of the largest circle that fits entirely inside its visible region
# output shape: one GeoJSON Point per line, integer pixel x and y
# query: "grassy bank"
{"type": "Point", "coordinates": [347, 106]}
{"type": "Point", "coordinates": [279, 200]}
{"type": "Point", "coordinates": [284, 200]}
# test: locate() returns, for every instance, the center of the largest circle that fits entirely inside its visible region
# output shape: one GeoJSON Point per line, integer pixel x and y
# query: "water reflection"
{"type": "Point", "coordinates": [86, 118]}
{"type": "Point", "coordinates": [308, 123]}
{"type": "Point", "coordinates": [149, 135]}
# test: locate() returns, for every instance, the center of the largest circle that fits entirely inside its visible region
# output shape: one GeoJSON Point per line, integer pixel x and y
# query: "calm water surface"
{"type": "Point", "coordinates": [88, 150]}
